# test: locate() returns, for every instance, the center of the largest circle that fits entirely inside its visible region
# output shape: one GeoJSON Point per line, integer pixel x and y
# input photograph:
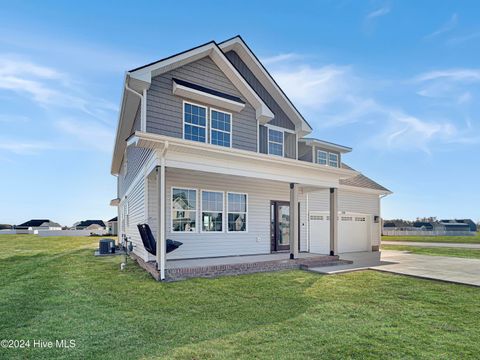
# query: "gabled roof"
{"type": "Point", "coordinates": [38, 222]}
{"type": "Point", "coordinates": [326, 144]}
{"type": "Point", "coordinates": [362, 181]}
{"type": "Point", "coordinates": [139, 79]}
{"type": "Point", "coordinates": [113, 219]}
{"type": "Point", "coordinates": [237, 44]}
{"type": "Point", "coordinates": [86, 223]}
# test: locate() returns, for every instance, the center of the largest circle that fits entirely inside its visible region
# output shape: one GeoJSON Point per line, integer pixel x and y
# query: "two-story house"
{"type": "Point", "coordinates": [210, 151]}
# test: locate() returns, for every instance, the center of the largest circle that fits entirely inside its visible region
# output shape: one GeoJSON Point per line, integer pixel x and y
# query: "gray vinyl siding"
{"type": "Point", "coordinates": [290, 141]}
{"type": "Point", "coordinates": [304, 152]}
{"type": "Point", "coordinates": [263, 139]}
{"type": "Point", "coordinates": [136, 159]}
{"type": "Point", "coordinates": [255, 241]}
{"type": "Point", "coordinates": [165, 112]}
{"type": "Point", "coordinates": [281, 119]}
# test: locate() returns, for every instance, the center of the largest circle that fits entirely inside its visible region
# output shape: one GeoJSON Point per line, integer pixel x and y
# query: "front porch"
{"type": "Point", "coordinates": [237, 265]}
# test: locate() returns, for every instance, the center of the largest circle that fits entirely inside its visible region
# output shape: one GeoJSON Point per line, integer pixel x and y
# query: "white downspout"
{"type": "Point", "coordinates": [161, 233]}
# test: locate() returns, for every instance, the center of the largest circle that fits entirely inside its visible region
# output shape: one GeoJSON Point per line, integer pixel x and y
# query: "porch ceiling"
{"type": "Point", "coordinates": [190, 155]}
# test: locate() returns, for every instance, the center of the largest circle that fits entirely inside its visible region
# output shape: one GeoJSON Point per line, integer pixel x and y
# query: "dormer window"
{"type": "Point", "coordinates": [333, 159]}
{"type": "Point", "coordinates": [322, 157]}
{"type": "Point", "coordinates": [275, 142]}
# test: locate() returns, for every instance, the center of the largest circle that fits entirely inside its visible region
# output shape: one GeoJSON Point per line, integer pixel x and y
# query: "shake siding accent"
{"type": "Point", "coordinates": [290, 145]}
{"type": "Point", "coordinates": [263, 139]}
{"type": "Point", "coordinates": [305, 152]}
{"type": "Point", "coordinates": [255, 241]}
{"type": "Point", "coordinates": [281, 119]}
{"type": "Point", "coordinates": [165, 110]}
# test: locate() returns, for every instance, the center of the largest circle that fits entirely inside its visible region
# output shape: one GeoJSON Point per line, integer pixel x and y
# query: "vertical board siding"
{"type": "Point", "coordinates": [290, 145]}
{"type": "Point", "coordinates": [263, 139]}
{"type": "Point", "coordinates": [137, 122]}
{"type": "Point", "coordinates": [281, 119]}
{"type": "Point", "coordinates": [305, 152]}
{"type": "Point", "coordinates": [165, 110]}
{"type": "Point", "coordinates": [255, 241]}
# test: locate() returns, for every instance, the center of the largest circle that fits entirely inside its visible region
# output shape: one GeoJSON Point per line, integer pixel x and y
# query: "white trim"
{"type": "Point", "coordinates": [258, 137]}
{"type": "Point", "coordinates": [199, 126]}
{"type": "Point", "coordinates": [171, 210]}
{"type": "Point", "coordinates": [328, 146]}
{"type": "Point", "coordinates": [337, 160]}
{"type": "Point", "coordinates": [274, 142]}
{"type": "Point", "coordinates": [201, 211]}
{"type": "Point", "coordinates": [210, 126]}
{"type": "Point", "coordinates": [237, 212]}
{"type": "Point", "coordinates": [210, 99]}
{"type": "Point", "coordinates": [143, 111]}
{"type": "Point", "coordinates": [279, 128]}
{"type": "Point", "coordinates": [296, 146]}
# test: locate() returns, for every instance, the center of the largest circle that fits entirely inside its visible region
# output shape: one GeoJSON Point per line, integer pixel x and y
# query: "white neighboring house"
{"type": "Point", "coordinates": [211, 152]}
{"type": "Point", "coordinates": [39, 224]}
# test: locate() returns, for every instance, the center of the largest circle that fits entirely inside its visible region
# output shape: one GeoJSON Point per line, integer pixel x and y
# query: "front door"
{"type": "Point", "coordinates": [280, 225]}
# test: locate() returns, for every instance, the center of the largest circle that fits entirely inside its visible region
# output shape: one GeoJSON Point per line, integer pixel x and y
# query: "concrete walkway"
{"type": "Point", "coordinates": [451, 269]}
{"type": "Point", "coordinates": [444, 268]}
{"type": "Point", "coordinates": [432, 244]}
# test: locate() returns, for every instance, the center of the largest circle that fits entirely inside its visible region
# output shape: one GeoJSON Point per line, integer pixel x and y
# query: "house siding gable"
{"type": "Point", "coordinates": [280, 119]}
{"type": "Point", "coordinates": [165, 110]}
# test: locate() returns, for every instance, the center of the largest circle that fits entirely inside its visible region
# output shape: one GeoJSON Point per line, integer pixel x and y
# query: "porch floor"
{"type": "Point", "coordinates": [228, 260]}
{"type": "Point", "coordinates": [237, 265]}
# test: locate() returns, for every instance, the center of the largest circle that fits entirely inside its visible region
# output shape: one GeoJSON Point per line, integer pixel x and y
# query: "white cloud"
{"type": "Point", "coordinates": [463, 38]}
{"type": "Point", "coordinates": [48, 87]}
{"type": "Point", "coordinates": [448, 26]}
{"type": "Point", "coordinates": [465, 75]}
{"type": "Point", "coordinates": [21, 147]}
{"type": "Point", "coordinates": [381, 11]}
{"type": "Point", "coordinates": [87, 134]}
{"type": "Point", "coordinates": [281, 58]}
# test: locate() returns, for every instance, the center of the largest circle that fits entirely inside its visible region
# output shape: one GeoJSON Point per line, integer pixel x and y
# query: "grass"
{"type": "Point", "coordinates": [443, 239]}
{"type": "Point", "coordinates": [436, 251]}
{"type": "Point", "coordinates": [53, 288]}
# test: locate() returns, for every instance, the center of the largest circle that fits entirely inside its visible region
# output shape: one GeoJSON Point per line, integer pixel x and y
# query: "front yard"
{"type": "Point", "coordinates": [53, 288]}
{"type": "Point", "coordinates": [443, 239]}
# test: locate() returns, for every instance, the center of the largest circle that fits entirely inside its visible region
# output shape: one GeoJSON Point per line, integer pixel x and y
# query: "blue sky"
{"type": "Point", "coordinates": [399, 81]}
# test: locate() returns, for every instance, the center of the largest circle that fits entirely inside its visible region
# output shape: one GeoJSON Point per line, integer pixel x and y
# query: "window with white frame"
{"type": "Point", "coordinates": [333, 159]}
{"type": "Point", "coordinates": [220, 128]}
{"type": "Point", "coordinates": [237, 212]}
{"type": "Point", "coordinates": [194, 122]}
{"type": "Point", "coordinates": [184, 210]}
{"type": "Point", "coordinates": [321, 157]}
{"type": "Point", "coordinates": [212, 211]}
{"type": "Point", "coordinates": [275, 142]}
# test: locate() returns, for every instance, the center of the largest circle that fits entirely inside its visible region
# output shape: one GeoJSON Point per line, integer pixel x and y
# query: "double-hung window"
{"type": "Point", "coordinates": [184, 210]}
{"type": "Point", "coordinates": [194, 122]}
{"type": "Point", "coordinates": [220, 128]}
{"type": "Point", "coordinates": [322, 157]}
{"type": "Point", "coordinates": [237, 212]}
{"type": "Point", "coordinates": [275, 142]}
{"type": "Point", "coordinates": [333, 159]}
{"type": "Point", "coordinates": [212, 211]}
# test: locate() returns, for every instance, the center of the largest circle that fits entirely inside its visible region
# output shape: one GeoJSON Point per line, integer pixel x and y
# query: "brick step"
{"type": "Point", "coordinates": [314, 264]}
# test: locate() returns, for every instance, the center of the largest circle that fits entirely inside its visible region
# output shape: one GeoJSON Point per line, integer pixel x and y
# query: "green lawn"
{"type": "Point", "coordinates": [438, 251]}
{"type": "Point", "coordinates": [444, 239]}
{"type": "Point", "coordinates": [53, 288]}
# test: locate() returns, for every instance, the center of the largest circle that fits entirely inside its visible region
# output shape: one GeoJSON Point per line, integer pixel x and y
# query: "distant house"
{"type": "Point", "coordinates": [39, 224]}
{"type": "Point", "coordinates": [90, 225]}
{"type": "Point", "coordinates": [5, 227]}
{"type": "Point", "coordinates": [471, 224]}
{"type": "Point", "coordinates": [390, 225]}
{"type": "Point", "coordinates": [453, 225]}
{"type": "Point", "coordinates": [112, 226]}
{"type": "Point", "coordinates": [422, 225]}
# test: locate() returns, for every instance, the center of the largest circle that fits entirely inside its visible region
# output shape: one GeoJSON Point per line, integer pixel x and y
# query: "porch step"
{"type": "Point", "coordinates": [306, 265]}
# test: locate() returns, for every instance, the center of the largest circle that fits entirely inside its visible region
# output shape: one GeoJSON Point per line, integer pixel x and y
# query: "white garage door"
{"type": "Point", "coordinates": [353, 232]}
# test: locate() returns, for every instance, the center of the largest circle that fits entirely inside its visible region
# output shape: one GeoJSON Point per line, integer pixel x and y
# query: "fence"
{"type": "Point", "coordinates": [426, 233]}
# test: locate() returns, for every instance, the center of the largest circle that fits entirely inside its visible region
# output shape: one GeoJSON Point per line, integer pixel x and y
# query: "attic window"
{"type": "Point", "coordinates": [333, 159]}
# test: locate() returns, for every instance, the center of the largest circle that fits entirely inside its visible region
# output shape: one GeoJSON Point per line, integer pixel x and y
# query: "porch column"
{"type": "Point", "coordinates": [333, 221]}
{"type": "Point", "coordinates": [293, 221]}
{"type": "Point", "coordinates": [161, 244]}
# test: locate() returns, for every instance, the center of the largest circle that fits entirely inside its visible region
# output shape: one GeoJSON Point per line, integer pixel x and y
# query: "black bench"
{"type": "Point", "coordinates": [149, 242]}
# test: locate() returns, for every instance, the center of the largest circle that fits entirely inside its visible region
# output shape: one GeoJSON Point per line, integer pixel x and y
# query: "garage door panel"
{"type": "Point", "coordinates": [353, 232]}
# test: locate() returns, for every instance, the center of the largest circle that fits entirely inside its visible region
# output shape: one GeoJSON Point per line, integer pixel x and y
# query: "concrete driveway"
{"type": "Point", "coordinates": [451, 269]}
